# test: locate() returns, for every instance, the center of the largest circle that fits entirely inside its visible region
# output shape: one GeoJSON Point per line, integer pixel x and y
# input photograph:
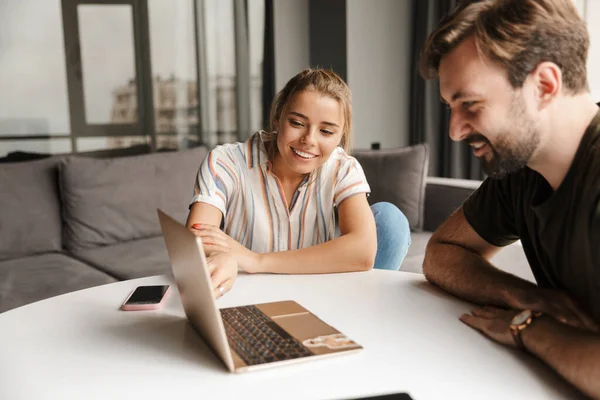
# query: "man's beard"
{"type": "Point", "coordinates": [514, 148]}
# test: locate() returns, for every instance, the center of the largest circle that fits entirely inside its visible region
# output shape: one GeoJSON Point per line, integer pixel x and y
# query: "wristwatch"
{"type": "Point", "coordinates": [518, 324]}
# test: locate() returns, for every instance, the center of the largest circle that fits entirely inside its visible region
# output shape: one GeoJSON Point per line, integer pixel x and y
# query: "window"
{"type": "Point", "coordinates": [108, 63]}
{"type": "Point", "coordinates": [174, 76]}
{"type": "Point", "coordinates": [256, 25]}
{"type": "Point", "coordinates": [89, 75]}
{"type": "Point", "coordinates": [33, 86]}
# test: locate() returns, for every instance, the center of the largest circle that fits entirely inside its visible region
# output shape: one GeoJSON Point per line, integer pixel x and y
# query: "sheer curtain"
{"type": "Point", "coordinates": [429, 118]}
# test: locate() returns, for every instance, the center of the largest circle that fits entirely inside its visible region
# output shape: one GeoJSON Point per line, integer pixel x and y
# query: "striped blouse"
{"type": "Point", "coordinates": [236, 178]}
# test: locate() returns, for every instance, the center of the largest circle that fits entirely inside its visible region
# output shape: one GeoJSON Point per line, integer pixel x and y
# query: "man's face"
{"type": "Point", "coordinates": [487, 112]}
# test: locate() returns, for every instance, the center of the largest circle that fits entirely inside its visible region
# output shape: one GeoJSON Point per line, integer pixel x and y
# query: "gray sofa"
{"type": "Point", "coordinates": [444, 195]}
{"type": "Point", "coordinates": [71, 222]}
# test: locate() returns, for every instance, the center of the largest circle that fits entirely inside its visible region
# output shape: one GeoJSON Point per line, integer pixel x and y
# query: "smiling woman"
{"type": "Point", "coordinates": [292, 200]}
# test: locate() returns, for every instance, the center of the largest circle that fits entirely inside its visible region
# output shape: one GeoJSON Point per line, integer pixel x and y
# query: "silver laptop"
{"type": "Point", "coordinates": [247, 337]}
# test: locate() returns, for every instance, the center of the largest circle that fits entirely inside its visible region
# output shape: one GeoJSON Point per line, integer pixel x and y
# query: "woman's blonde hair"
{"type": "Point", "coordinates": [518, 35]}
{"type": "Point", "coordinates": [322, 81]}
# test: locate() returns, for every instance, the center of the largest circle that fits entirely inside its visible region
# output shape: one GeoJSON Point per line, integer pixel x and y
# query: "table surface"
{"type": "Point", "coordinates": [80, 345]}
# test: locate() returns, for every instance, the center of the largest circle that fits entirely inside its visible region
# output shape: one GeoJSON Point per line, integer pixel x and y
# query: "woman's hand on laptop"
{"type": "Point", "coordinates": [210, 246]}
{"type": "Point", "coordinates": [223, 269]}
{"type": "Point", "coordinates": [215, 240]}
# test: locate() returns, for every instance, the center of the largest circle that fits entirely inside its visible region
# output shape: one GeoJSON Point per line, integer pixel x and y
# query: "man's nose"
{"type": "Point", "coordinates": [459, 128]}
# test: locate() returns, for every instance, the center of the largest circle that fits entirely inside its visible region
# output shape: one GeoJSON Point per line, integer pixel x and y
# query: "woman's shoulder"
{"type": "Point", "coordinates": [340, 157]}
{"type": "Point", "coordinates": [340, 165]}
{"type": "Point", "coordinates": [238, 153]}
{"type": "Point", "coordinates": [226, 149]}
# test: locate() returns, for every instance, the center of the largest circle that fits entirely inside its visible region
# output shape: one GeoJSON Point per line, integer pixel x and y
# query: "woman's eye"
{"type": "Point", "coordinates": [327, 132]}
{"type": "Point", "coordinates": [293, 122]}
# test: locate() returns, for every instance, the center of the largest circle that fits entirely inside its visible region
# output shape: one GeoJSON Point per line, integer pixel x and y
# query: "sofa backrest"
{"type": "Point", "coordinates": [398, 176]}
{"type": "Point", "coordinates": [112, 200]}
{"type": "Point", "coordinates": [443, 197]}
{"type": "Point", "coordinates": [30, 220]}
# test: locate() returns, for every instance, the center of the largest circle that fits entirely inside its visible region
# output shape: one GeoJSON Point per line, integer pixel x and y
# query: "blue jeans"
{"type": "Point", "coordinates": [393, 236]}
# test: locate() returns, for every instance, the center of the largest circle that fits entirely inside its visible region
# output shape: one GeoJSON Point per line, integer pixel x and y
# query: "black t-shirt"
{"type": "Point", "coordinates": [559, 230]}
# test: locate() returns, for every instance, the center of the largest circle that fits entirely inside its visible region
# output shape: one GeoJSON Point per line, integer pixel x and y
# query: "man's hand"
{"type": "Point", "coordinates": [492, 322]}
{"type": "Point", "coordinates": [558, 305]}
{"type": "Point", "coordinates": [215, 240]}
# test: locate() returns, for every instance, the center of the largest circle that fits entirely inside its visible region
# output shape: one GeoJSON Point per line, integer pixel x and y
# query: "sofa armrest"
{"type": "Point", "coordinates": [443, 196]}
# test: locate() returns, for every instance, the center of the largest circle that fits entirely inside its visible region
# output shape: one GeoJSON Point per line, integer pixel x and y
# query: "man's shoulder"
{"type": "Point", "coordinates": [514, 184]}
{"type": "Point", "coordinates": [496, 209]}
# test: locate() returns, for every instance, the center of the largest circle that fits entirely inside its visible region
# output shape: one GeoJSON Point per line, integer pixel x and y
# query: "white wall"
{"type": "Point", "coordinates": [580, 4]}
{"type": "Point", "coordinates": [592, 15]}
{"type": "Point", "coordinates": [378, 65]}
{"type": "Point", "coordinates": [291, 39]}
{"type": "Point", "coordinates": [378, 39]}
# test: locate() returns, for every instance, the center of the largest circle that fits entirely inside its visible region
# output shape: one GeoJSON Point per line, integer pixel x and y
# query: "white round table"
{"type": "Point", "coordinates": [81, 346]}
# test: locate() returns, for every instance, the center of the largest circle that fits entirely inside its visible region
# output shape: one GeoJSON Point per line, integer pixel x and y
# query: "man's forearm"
{"type": "Point", "coordinates": [572, 352]}
{"type": "Point", "coordinates": [471, 277]}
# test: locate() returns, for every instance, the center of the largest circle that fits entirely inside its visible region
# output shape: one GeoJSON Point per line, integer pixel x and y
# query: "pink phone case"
{"type": "Point", "coordinates": [140, 307]}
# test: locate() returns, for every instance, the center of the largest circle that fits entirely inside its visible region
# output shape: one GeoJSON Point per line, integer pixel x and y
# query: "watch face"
{"type": "Point", "coordinates": [521, 317]}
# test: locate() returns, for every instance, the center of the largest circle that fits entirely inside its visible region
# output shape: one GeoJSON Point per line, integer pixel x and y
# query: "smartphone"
{"type": "Point", "coordinates": [146, 298]}
{"type": "Point", "coordinates": [391, 396]}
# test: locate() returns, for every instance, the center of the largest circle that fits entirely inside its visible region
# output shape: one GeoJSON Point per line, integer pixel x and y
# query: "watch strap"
{"type": "Point", "coordinates": [516, 330]}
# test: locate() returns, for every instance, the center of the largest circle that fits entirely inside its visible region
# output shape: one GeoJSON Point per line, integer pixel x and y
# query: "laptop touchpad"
{"type": "Point", "coordinates": [281, 308]}
{"type": "Point", "coordinates": [315, 334]}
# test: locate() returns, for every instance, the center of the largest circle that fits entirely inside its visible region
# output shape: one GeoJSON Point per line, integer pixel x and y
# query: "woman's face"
{"type": "Point", "coordinates": [309, 131]}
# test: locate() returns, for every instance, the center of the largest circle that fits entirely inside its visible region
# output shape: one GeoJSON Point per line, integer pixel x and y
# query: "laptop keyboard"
{"type": "Point", "coordinates": [257, 339]}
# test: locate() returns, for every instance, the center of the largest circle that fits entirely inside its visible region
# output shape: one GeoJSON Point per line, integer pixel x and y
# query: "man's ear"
{"type": "Point", "coordinates": [547, 78]}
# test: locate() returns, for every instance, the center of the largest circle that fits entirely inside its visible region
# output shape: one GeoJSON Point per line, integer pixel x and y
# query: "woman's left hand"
{"type": "Point", "coordinates": [212, 235]}
{"type": "Point", "coordinates": [223, 270]}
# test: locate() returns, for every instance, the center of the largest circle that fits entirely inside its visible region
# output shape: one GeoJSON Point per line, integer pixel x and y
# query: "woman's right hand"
{"type": "Point", "coordinates": [223, 270]}
{"type": "Point", "coordinates": [211, 248]}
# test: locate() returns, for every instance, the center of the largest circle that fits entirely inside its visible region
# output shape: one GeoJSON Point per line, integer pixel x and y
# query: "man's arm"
{"type": "Point", "coordinates": [572, 352]}
{"type": "Point", "coordinates": [457, 260]}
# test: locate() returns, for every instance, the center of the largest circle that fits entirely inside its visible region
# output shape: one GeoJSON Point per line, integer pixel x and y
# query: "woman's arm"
{"type": "Point", "coordinates": [206, 214]}
{"type": "Point", "coordinates": [354, 250]}
{"type": "Point", "coordinates": [222, 266]}
{"type": "Point", "coordinates": [203, 213]}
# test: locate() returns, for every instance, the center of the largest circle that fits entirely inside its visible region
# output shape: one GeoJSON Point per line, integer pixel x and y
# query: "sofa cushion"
{"type": "Point", "coordinates": [29, 279]}
{"type": "Point", "coordinates": [114, 200]}
{"type": "Point", "coordinates": [413, 262]}
{"type": "Point", "coordinates": [29, 208]}
{"type": "Point", "coordinates": [398, 176]}
{"type": "Point", "coordinates": [134, 259]}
